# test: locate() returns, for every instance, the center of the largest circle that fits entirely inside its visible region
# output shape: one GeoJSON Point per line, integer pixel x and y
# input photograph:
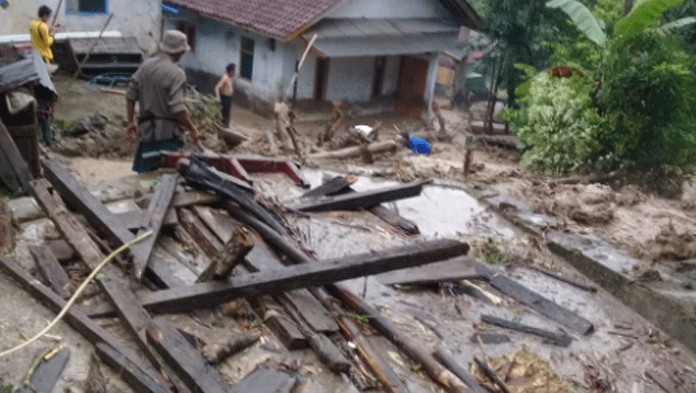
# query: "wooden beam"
{"type": "Point", "coordinates": [90, 330]}
{"type": "Point", "coordinates": [187, 363]}
{"type": "Point", "coordinates": [331, 187]}
{"type": "Point", "coordinates": [51, 270]}
{"type": "Point", "coordinates": [153, 219]}
{"type": "Point", "coordinates": [560, 339]}
{"type": "Point", "coordinates": [362, 200]}
{"type": "Point", "coordinates": [301, 276]}
{"type": "Point", "coordinates": [394, 219]}
{"type": "Point", "coordinates": [101, 219]}
{"type": "Point", "coordinates": [47, 373]}
{"type": "Point", "coordinates": [232, 254]}
{"type": "Point", "coordinates": [535, 301]}
{"type": "Point", "coordinates": [205, 239]}
{"type": "Point", "coordinates": [455, 269]}
{"type": "Point", "coordinates": [14, 160]}
{"type": "Point", "coordinates": [443, 357]}
{"type": "Point", "coordinates": [136, 377]}
{"type": "Point", "coordinates": [584, 287]}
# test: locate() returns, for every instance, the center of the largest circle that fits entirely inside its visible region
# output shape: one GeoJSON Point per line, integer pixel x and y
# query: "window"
{"type": "Point", "coordinates": [87, 6]}
{"type": "Point", "coordinates": [189, 29]}
{"type": "Point", "coordinates": [247, 58]}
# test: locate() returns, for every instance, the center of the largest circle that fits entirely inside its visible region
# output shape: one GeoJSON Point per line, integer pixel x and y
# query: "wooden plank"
{"type": "Point", "coordinates": [91, 331]}
{"type": "Point", "coordinates": [455, 269]}
{"type": "Point", "coordinates": [362, 200]}
{"type": "Point", "coordinates": [584, 287]}
{"type": "Point", "coordinates": [51, 270]}
{"type": "Point", "coordinates": [129, 310]}
{"type": "Point", "coordinates": [560, 339]}
{"type": "Point", "coordinates": [205, 239]}
{"type": "Point", "coordinates": [134, 219]}
{"type": "Point", "coordinates": [152, 220]}
{"type": "Point", "coordinates": [16, 162]}
{"type": "Point", "coordinates": [134, 376]}
{"type": "Point", "coordinates": [443, 357]}
{"type": "Point", "coordinates": [105, 222]}
{"type": "Point", "coordinates": [331, 187]}
{"type": "Point", "coordinates": [394, 219]}
{"type": "Point", "coordinates": [286, 330]}
{"type": "Point", "coordinates": [232, 254]}
{"type": "Point", "coordinates": [196, 373]}
{"type": "Point", "coordinates": [185, 199]}
{"type": "Point", "coordinates": [488, 372]}
{"type": "Point", "coordinates": [536, 302]}
{"type": "Point", "coordinates": [47, 373]}
{"type": "Point", "coordinates": [299, 276]}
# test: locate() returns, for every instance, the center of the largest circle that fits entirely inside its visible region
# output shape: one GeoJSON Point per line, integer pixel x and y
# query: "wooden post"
{"type": "Point", "coordinates": [233, 254]}
{"type": "Point", "coordinates": [96, 42]}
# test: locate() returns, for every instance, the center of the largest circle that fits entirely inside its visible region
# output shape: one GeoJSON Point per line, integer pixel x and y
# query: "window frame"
{"type": "Point", "coordinates": [73, 8]}
{"type": "Point", "coordinates": [247, 52]}
{"type": "Point", "coordinates": [191, 31]}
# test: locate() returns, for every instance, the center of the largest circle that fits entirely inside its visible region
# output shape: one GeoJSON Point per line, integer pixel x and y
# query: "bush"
{"type": "Point", "coordinates": [559, 124]}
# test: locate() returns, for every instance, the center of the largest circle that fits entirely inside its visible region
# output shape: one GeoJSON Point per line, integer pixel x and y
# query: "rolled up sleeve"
{"type": "Point", "coordinates": [177, 101]}
{"type": "Point", "coordinates": [133, 92]}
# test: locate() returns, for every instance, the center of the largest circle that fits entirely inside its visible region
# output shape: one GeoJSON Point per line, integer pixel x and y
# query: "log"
{"type": "Point", "coordinates": [51, 271]}
{"type": "Point", "coordinates": [492, 375]}
{"type": "Point", "coordinates": [443, 357]}
{"type": "Point", "coordinates": [559, 339]}
{"type": "Point", "coordinates": [134, 376]}
{"type": "Point", "coordinates": [350, 152]}
{"type": "Point", "coordinates": [46, 374]}
{"type": "Point", "coordinates": [187, 361]}
{"type": "Point", "coordinates": [584, 287]}
{"type": "Point", "coordinates": [91, 331]}
{"type": "Point", "coordinates": [535, 301]}
{"type": "Point", "coordinates": [219, 353]}
{"type": "Point", "coordinates": [105, 222]}
{"type": "Point", "coordinates": [362, 200]}
{"type": "Point", "coordinates": [209, 294]}
{"type": "Point", "coordinates": [233, 254]}
{"type": "Point", "coordinates": [152, 221]}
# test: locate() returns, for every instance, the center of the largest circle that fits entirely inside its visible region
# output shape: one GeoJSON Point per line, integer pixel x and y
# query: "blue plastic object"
{"type": "Point", "coordinates": [418, 144]}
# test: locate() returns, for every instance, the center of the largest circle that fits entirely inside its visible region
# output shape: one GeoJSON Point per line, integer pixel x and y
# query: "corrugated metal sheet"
{"type": "Point", "coordinates": [346, 28]}
{"type": "Point", "coordinates": [385, 46]}
{"type": "Point", "coordinates": [123, 45]}
{"type": "Point", "coordinates": [31, 69]}
{"type": "Point", "coordinates": [22, 38]}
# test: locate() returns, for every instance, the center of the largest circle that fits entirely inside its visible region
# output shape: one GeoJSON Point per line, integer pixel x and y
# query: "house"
{"type": "Point", "coordinates": [133, 18]}
{"type": "Point", "coordinates": [366, 51]}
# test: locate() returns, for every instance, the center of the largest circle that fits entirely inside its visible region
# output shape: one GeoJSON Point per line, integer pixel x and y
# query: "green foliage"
{"type": "Point", "coordinates": [669, 28]}
{"type": "Point", "coordinates": [645, 13]}
{"type": "Point", "coordinates": [583, 18]}
{"type": "Point", "coordinates": [559, 123]}
{"type": "Point", "coordinates": [6, 389]}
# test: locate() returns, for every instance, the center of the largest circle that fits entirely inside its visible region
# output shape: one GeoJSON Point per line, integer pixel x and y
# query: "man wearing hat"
{"type": "Point", "coordinates": [159, 87]}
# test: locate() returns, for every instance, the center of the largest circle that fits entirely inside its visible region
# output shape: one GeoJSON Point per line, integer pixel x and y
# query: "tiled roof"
{"type": "Point", "coordinates": [275, 18]}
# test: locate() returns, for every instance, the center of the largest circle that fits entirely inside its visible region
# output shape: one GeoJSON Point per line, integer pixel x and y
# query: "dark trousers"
{"type": "Point", "coordinates": [225, 108]}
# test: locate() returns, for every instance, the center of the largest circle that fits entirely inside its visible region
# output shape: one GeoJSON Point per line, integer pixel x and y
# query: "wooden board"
{"type": "Point", "coordinates": [129, 310]}
{"type": "Point", "coordinates": [394, 219]}
{"type": "Point", "coordinates": [47, 374]}
{"type": "Point", "coordinates": [459, 268]}
{"type": "Point", "coordinates": [99, 217]}
{"type": "Point", "coordinates": [299, 276]}
{"type": "Point", "coordinates": [362, 200]}
{"type": "Point", "coordinates": [329, 188]}
{"type": "Point", "coordinates": [137, 378]}
{"type": "Point", "coordinates": [536, 302]}
{"type": "Point", "coordinates": [205, 239]}
{"type": "Point", "coordinates": [51, 270]}
{"type": "Point", "coordinates": [152, 221]}
{"type": "Point", "coordinates": [13, 160]}
{"type": "Point", "coordinates": [559, 339]}
{"type": "Point", "coordinates": [90, 330]}
{"type": "Point", "coordinates": [287, 332]}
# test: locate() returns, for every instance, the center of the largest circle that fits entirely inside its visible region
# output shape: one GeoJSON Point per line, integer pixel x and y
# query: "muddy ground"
{"type": "Point", "coordinates": [624, 347]}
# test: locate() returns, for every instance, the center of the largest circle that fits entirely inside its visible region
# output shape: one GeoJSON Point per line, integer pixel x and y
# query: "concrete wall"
{"type": "Point", "coordinates": [350, 79]}
{"type": "Point", "coordinates": [388, 9]}
{"type": "Point", "coordinates": [430, 86]}
{"type": "Point", "coordinates": [391, 76]}
{"type": "Point", "coordinates": [138, 18]}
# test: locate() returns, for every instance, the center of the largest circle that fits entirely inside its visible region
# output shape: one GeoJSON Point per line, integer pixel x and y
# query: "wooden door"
{"type": "Point", "coordinates": [321, 78]}
{"type": "Point", "coordinates": [412, 77]}
{"type": "Point", "coordinates": [378, 77]}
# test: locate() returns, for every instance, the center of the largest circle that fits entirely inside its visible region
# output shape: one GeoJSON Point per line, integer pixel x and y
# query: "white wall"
{"type": "Point", "coordinates": [388, 9]}
{"type": "Point", "coordinates": [350, 79]}
{"type": "Point", "coordinates": [133, 18]}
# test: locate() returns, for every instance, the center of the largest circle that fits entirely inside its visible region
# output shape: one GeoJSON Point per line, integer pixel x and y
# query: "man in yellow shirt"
{"type": "Point", "coordinates": [42, 35]}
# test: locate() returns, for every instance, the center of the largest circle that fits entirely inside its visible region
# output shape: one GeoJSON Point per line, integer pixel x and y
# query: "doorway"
{"type": "Point", "coordinates": [378, 78]}
{"type": "Point", "coordinates": [321, 78]}
{"type": "Point", "coordinates": [413, 74]}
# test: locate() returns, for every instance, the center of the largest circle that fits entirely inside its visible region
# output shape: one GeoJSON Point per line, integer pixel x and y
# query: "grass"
{"type": "Point", "coordinates": [491, 252]}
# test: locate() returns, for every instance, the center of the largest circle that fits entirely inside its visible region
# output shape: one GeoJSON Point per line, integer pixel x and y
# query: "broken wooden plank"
{"type": "Point", "coordinates": [184, 199]}
{"type": "Point", "coordinates": [300, 276]}
{"type": "Point", "coordinates": [131, 373]}
{"type": "Point", "coordinates": [490, 374]}
{"type": "Point", "coordinates": [362, 200]}
{"type": "Point", "coordinates": [451, 270]}
{"type": "Point", "coordinates": [46, 374]}
{"type": "Point", "coordinates": [134, 219]}
{"type": "Point", "coordinates": [105, 222]}
{"type": "Point", "coordinates": [332, 187]}
{"type": "Point", "coordinates": [443, 357]}
{"type": "Point", "coordinates": [193, 370]}
{"type": "Point", "coordinates": [152, 221]}
{"type": "Point", "coordinates": [216, 354]}
{"type": "Point", "coordinates": [535, 301]}
{"type": "Point", "coordinates": [121, 297]}
{"type": "Point", "coordinates": [91, 331]}
{"type": "Point", "coordinates": [232, 254]}
{"type": "Point", "coordinates": [560, 339]}
{"type": "Point", "coordinates": [18, 167]}
{"type": "Point", "coordinates": [205, 239]}
{"type": "Point", "coordinates": [287, 331]}
{"type": "Point", "coordinates": [584, 287]}
{"type": "Point", "coordinates": [394, 219]}
{"type": "Point", "coordinates": [51, 270]}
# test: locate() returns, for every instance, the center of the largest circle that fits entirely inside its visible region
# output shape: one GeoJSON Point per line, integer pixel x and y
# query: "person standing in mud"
{"type": "Point", "coordinates": [224, 90]}
{"type": "Point", "coordinates": [159, 87]}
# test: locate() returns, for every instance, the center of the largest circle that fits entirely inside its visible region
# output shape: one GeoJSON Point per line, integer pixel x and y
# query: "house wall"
{"type": "Point", "coordinates": [391, 75]}
{"type": "Point", "coordinates": [138, 18]}
{"type": "Point", "coordinates": [388, 9]}
{"type": "Point", "coordinates": [350, 79]}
